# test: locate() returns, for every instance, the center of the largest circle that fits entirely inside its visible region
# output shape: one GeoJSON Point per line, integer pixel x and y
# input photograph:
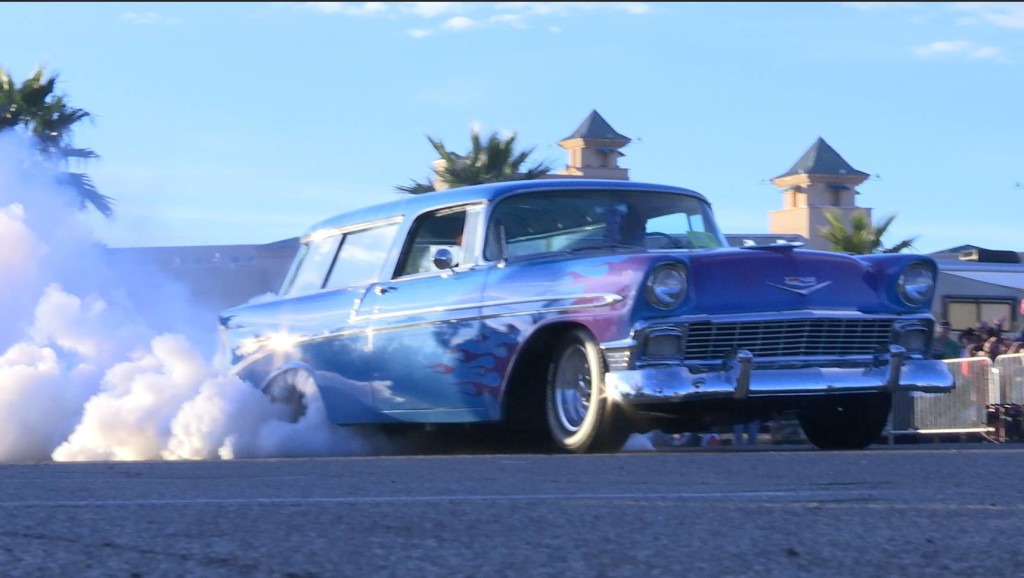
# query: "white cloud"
{"type": "Point", "coordinates": [988, 52]}
{"type": "Point", "coordinates": [567, 8]}
{"type": "Point", "coordinates": [1001, 14]}
{"type": "Point", "coordinates": [349, 8]}
{"type": "Point", "coordinates": [461, 16]}
{"type": "Point", "coordinates": [149, 18]}
{"type": "Point", "coordinates": [879, 6]}
{"type": "Point", "coordinates": [458, 23]}
{"type": "Point", "coordinates": [943, 47]}
{"type": "Point", "coordinates": [958, 48]}
{"type": "Point", "coordinates": [634, 7]}
{"type": "Point", "coordinates": [434, 9]}
{"type": "Point", "coordinates": [513, 20]}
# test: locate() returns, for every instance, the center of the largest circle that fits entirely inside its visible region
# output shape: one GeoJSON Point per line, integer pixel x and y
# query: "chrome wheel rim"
{"type": "Point", "coordinates": [572, 388]}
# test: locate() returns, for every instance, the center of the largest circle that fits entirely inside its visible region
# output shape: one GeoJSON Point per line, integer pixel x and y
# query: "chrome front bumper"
{"type": "Point", "coordinates": [744, 380]}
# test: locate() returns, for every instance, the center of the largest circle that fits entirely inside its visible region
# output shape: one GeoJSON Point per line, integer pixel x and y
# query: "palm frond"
{"type": "Point", "coordinates": [416, 188]}
{"type": "Point", "coordinates": [35, 107]}
{"type": "Point", "coordinates": [87, 193]}
{"type": "Point", "coordinates": [861, 237]}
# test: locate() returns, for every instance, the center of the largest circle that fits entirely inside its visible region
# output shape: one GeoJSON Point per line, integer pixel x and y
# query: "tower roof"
{"type": "Point", "coordinates": [822, 159]}
{"type": "Point", "coordinates": [597, 128]}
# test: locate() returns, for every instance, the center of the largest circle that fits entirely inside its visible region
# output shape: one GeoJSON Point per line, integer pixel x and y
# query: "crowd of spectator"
{"type": "Point", "coordinates": [983, 340]}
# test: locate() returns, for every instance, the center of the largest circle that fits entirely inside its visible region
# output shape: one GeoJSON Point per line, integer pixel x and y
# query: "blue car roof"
{"type": "Point", "coordinates": [490, 192]}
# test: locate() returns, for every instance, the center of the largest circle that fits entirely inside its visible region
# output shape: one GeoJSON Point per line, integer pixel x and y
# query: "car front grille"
{"type": "Point", "coordinates": [788, 338]}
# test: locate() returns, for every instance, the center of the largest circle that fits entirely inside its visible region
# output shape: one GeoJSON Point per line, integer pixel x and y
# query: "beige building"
{"type": "Point", "coordinates": [821, 181]}
{"type": "Point", "coordinates": [594, 150]}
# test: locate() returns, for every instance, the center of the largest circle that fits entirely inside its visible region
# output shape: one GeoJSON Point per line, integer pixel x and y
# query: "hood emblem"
{"type": "Point", "coordinates": [801, 285]}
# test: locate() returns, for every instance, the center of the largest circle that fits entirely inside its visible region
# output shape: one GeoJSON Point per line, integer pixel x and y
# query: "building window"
{"type": "Point", "coordinates": [964, 312]}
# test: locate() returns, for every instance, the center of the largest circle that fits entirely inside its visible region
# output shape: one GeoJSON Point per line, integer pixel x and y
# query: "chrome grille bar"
{"type": "Point", "coordinates": [788, 338]}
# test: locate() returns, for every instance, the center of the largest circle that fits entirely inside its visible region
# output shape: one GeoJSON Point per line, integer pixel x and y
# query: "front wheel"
{"type": "Point", "coordinates": [846, 422]}
{"type": "Point", "coordinates": [580, 417]}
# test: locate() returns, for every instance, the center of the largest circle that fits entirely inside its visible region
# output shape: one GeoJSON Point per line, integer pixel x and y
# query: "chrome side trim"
{"type": "Point", "coordinates": [562, 303]}
{"type": "Point", "coordinates": [332, 231]}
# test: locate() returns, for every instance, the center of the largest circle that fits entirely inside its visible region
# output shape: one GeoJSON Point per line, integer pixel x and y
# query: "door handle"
{"type": "Point", "coordinates": [382, 289]}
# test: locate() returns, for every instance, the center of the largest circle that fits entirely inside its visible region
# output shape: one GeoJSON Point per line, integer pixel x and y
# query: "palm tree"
{"type": "Point", "coordinates": [861, 237]}
{"type": "Point", "coordinates": [492, 162]}
{"type": "Point", "coordinates": [35, 108]}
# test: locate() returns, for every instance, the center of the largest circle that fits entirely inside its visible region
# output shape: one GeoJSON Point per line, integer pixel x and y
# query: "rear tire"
{"type": "Point", "coordinates": [285, 391]}
{"type": "Point", "coordinates": [580, 416]}
{"type": "Point", "coordinates": [846, 422]}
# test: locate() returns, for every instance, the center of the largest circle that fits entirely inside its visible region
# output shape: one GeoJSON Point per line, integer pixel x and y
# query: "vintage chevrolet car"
{"type": "Point", "coordinates": [575, 312]}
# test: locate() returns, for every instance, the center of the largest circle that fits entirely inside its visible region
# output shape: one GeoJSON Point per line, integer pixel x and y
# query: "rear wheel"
{"type": "Point", "coordinates": [580, 417]}
{"type": "Point", "coordinates": [285, 391]}
{"type": "Point", "coordinates": [846, 422]}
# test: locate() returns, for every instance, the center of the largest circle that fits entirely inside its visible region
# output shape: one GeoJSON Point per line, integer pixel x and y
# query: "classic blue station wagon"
{"type": "Point", "coordinates": [575, 312]}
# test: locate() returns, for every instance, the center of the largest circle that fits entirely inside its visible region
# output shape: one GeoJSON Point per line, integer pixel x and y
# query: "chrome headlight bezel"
{"type": "Point", "coordinates": [667, 285]}
{"type": "Point", "coordinates": [916, 284]}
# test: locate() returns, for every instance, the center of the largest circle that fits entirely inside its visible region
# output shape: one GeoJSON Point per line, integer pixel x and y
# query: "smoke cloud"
{"type": "Point", "coordinates": [109, 361]}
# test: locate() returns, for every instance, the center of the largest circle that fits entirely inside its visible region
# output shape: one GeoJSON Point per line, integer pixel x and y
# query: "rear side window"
{"type": "Point", "coordinates": [341, 260]}
{"type": "Point", "coordinates": [312, 264]}
{"type": "Point", "coordinates": [361, 256]}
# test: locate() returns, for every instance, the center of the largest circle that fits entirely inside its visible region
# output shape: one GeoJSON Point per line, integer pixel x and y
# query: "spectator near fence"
{"type": "Point", "coordinates": [994, 344]}
{"type": "Point", "coordinates": [945, 347]}
{"type": "Point", "coordinates": [970, 342]}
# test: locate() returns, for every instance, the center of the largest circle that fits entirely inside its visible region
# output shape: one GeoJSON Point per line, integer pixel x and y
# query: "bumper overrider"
{"type": "Point", "coordinates": [742, 377]}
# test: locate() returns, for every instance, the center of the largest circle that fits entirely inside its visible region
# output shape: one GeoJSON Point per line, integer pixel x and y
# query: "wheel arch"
{"type": "Point", "coordinates": [523, 394]}
{"type": "Point", "coordinates": [290, 366]}
{"type": "Point", "coordinates": [288, 395]}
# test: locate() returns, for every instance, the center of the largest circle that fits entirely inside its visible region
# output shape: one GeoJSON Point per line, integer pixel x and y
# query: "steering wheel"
{"type": "Point", "coordinates": [672, 241]}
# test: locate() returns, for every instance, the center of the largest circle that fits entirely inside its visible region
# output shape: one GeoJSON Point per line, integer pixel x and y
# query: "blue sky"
{"type": "Point", "coordinates": [234, 123]}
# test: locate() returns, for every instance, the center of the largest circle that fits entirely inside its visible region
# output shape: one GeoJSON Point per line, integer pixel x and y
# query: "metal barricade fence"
{"type": "Point", "coordinates": [962, 411]}
{"type": "Point", "coordinates": [1009, 377]}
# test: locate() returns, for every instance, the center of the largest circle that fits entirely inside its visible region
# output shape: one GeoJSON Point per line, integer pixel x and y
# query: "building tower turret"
{"type": "Point", "coordinates": [594, 150]}
{"type": "Point", "coordinates": [821, 181]}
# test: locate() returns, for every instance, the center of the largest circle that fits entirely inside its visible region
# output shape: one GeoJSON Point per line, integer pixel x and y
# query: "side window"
{"type": "Point", "coordinates": [361, 256]}
{"type": "Point", "coordinates": [313, 263]}
{"type": "Point", "coordinates": [433, 231]}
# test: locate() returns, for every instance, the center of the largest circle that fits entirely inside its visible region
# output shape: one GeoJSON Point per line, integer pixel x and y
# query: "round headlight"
{"type": "Point", "coordinates": [915, 284]}
{"type": "Point", "coordinates": [666, 286]}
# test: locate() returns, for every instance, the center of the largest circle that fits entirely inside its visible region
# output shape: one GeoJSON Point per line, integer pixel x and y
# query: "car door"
{"type": "Point", "coordinates": [335, 325]}
{"type": "Point", "coordinates": [425, 326]}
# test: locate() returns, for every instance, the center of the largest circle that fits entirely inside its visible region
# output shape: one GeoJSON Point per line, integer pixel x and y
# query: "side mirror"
{"type": "Point", "coordinates": [443, 259]}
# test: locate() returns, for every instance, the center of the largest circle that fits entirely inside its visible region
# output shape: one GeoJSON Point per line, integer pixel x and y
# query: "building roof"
{"type": "Point", "coordinates": [822, 159]}
{"type": "Point", "coordinates": [595, 127]}
{"type": "Point", "coordinates": [1010, 279]}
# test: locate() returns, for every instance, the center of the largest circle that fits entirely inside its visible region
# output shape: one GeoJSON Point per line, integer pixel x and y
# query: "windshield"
{"type": "Point", "coordinates": [569, 221]}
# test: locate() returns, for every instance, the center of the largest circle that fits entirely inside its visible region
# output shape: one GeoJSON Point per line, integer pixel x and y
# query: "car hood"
{"type": "Point", "coordinates": [784, 279]}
